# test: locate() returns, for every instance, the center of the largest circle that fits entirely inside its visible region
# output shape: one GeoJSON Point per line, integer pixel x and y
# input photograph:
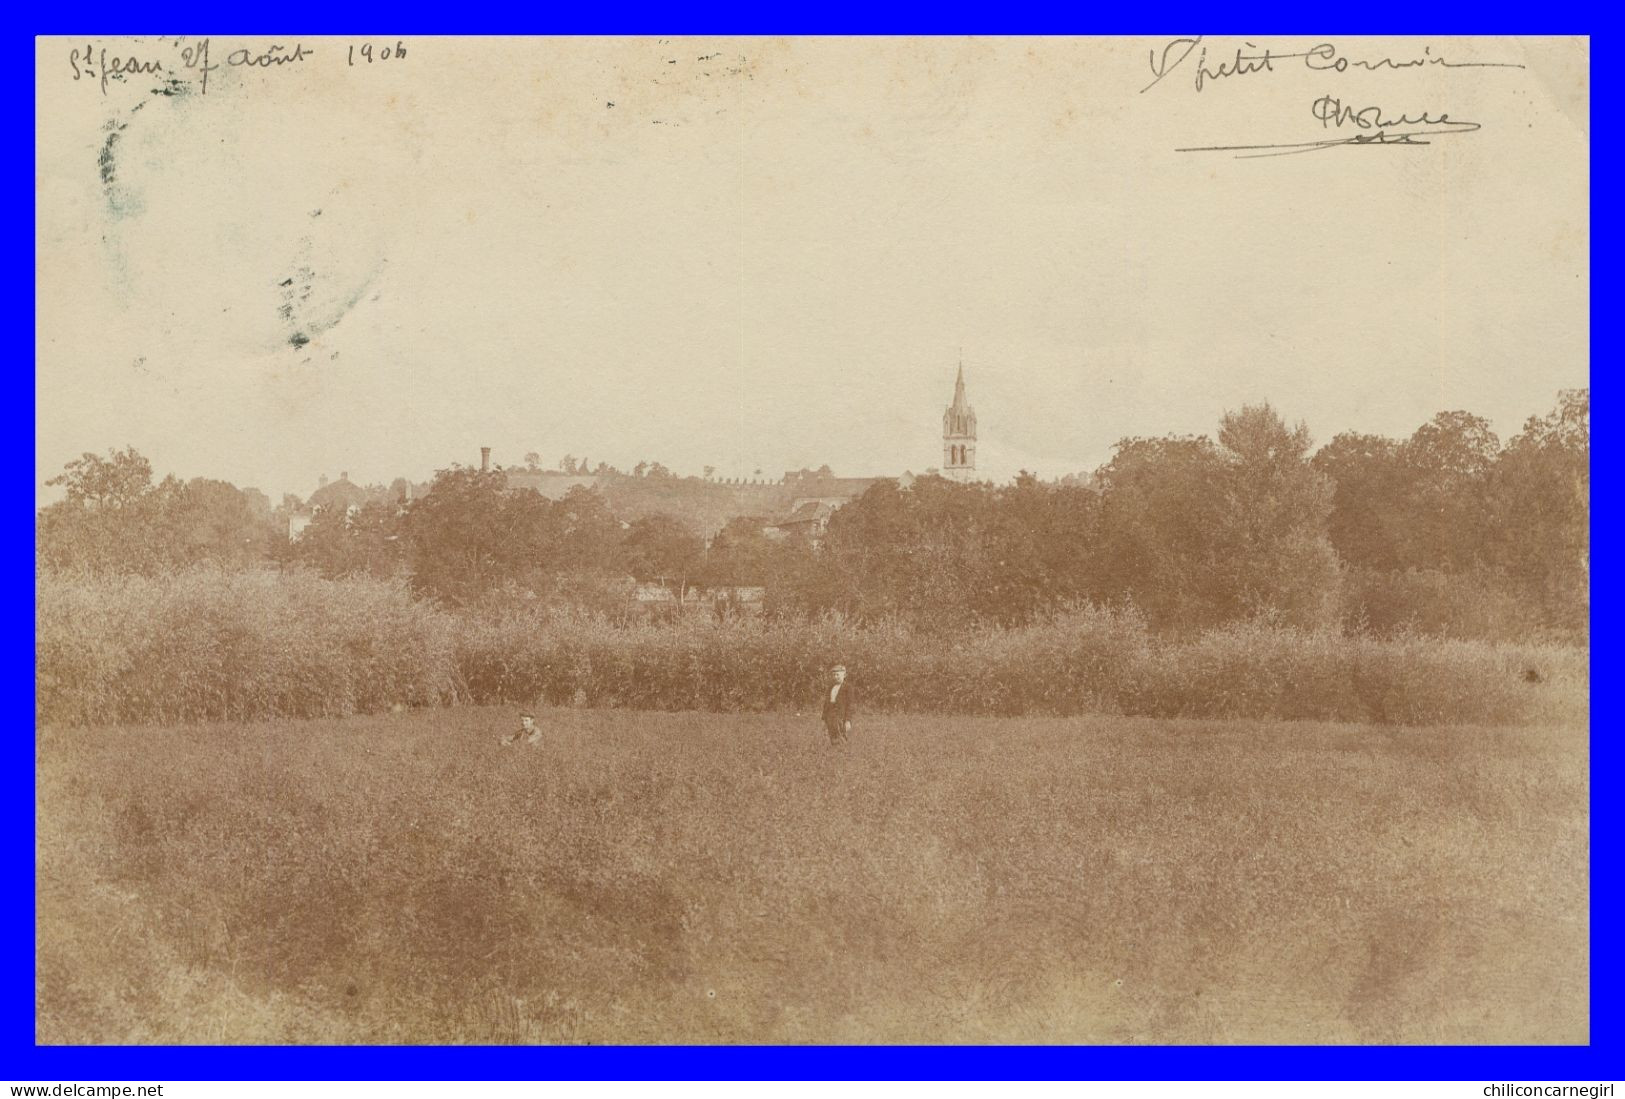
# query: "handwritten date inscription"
{"type": "Point", "coordinates": [367, 55]}
{"type": "Point", "coordinates": [198, 58]}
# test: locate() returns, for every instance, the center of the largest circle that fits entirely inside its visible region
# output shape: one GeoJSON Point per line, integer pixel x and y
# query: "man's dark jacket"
{"type": "Point", "coordinates": [839, 712]}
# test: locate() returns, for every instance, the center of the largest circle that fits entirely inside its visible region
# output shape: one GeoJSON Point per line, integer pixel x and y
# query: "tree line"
{"type": "Point", "coordinates": [1448, 531]}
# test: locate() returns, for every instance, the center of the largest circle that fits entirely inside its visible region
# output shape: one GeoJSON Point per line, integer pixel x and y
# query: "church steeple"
{"type": "Point", "coordinates": [959, 434]}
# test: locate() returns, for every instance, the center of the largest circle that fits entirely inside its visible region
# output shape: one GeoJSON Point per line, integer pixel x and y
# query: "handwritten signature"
{"type": "Point", "coordinates": [1373, 126]}
{"type": "Point", "coordinates": [1322, 58]}
{"type": "Point", "coordinates": [90, 63]}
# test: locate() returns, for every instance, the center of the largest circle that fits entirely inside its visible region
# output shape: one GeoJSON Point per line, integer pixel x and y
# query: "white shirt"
{"type": "Point", "coordinates": [833, 691]}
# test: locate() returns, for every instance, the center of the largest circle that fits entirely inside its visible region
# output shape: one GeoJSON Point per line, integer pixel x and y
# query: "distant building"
{"type": "Point", "coordinates": [342, 493]}
{"type": "Point", "coordinates": [959, 435]}
{"type": "Point", "coordinates": [706, 505]}
{"type": "Point", "coordinates": [349, 497]}
{"type": "Point", "coordinates": [809, 520]}
{"type": "Point", "coordinates": [798, 504]}
{"type": "Point", "coordinates": [551, 483]}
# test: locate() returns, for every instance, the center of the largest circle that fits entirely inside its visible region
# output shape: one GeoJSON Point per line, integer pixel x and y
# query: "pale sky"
{"type": "Point", "coordinates": [766, 254]}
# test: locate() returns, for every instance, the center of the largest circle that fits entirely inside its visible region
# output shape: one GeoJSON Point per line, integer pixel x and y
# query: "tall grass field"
{"type": "Point", "coordinates": [728, 877]}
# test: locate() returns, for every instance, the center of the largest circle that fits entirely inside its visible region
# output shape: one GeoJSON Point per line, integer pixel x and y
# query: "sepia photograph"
{"type": "Point", "coordinates": [812, 541]}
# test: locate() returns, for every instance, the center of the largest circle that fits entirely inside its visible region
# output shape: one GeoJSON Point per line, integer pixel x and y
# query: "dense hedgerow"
{"type": "Point", "coordinates": [218, 645]}
{"type": "Point", "coordinates": [229, 646]}
{"type": "Point", "coordinates": [1085, 662]}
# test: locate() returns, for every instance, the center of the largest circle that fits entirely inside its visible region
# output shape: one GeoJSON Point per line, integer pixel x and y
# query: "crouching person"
{"type": "Point", "coordinates": [527, 733]}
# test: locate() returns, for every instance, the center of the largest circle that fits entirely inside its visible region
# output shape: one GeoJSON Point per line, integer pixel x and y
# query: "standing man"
{"type": "Point", "coordinates": [838, 706]}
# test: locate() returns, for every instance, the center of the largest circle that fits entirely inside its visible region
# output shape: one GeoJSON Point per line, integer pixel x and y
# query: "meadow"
{"type": "Point", "coordinates": [690, 877]}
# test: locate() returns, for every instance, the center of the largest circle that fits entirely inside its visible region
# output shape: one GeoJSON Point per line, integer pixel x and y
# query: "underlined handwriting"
{"type": "Point", "coordinates": [1343, 121]}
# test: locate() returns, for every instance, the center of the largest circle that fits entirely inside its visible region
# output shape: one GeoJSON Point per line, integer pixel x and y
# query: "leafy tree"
{"type": "Point", "coordinates": [119, 480]}
{"type": "Point", "coordinates": [1369, 501]}
{"type": "Point", "coordinates": [468, 534]}
{"type": "Point", "coordinates": [587, 536]}
{"type": "Point", "coordinates": [258, 502]}
{"type": "Point", "coordinates": [1447, 515]}
{"type": "Point", "coordinates": [1047, 548]}
{"type": "Point", "coordinates": [1454, 447]}
{"type": "Point", "coordinates": [740, 553]}
{"type": "Point", "coordinates": [208, 520]}
{"type": "Point", "coordinates": [924, 552]}
{"type": "Point", "coordinates": [1489, 539]}
{"type": "Point", "coordinates": [70, 537]}
{"type": "Point", "coordinates": [1157, 544]}
{"type": "Point", "coordinates": [661, 547]}
{"type": "Point", "coordinates": [348, 542]}
{"type": "Point", "coordinates": [115, 519]}
{"type": "Point", "coordinates": [1275, 558]}
{"type": "Point", "coordinates": [1540, 492]}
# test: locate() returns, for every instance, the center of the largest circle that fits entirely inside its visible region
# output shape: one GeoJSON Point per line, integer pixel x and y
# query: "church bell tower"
{"type": "Point", "coordinates": [959, 435]}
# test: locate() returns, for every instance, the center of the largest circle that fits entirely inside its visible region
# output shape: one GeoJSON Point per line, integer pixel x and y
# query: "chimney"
{"type": "Point", "coordinates": [485, 459]}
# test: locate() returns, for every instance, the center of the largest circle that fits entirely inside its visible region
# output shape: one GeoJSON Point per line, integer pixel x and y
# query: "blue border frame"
{"type": "Point", "coordinates": [21, 1060]}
